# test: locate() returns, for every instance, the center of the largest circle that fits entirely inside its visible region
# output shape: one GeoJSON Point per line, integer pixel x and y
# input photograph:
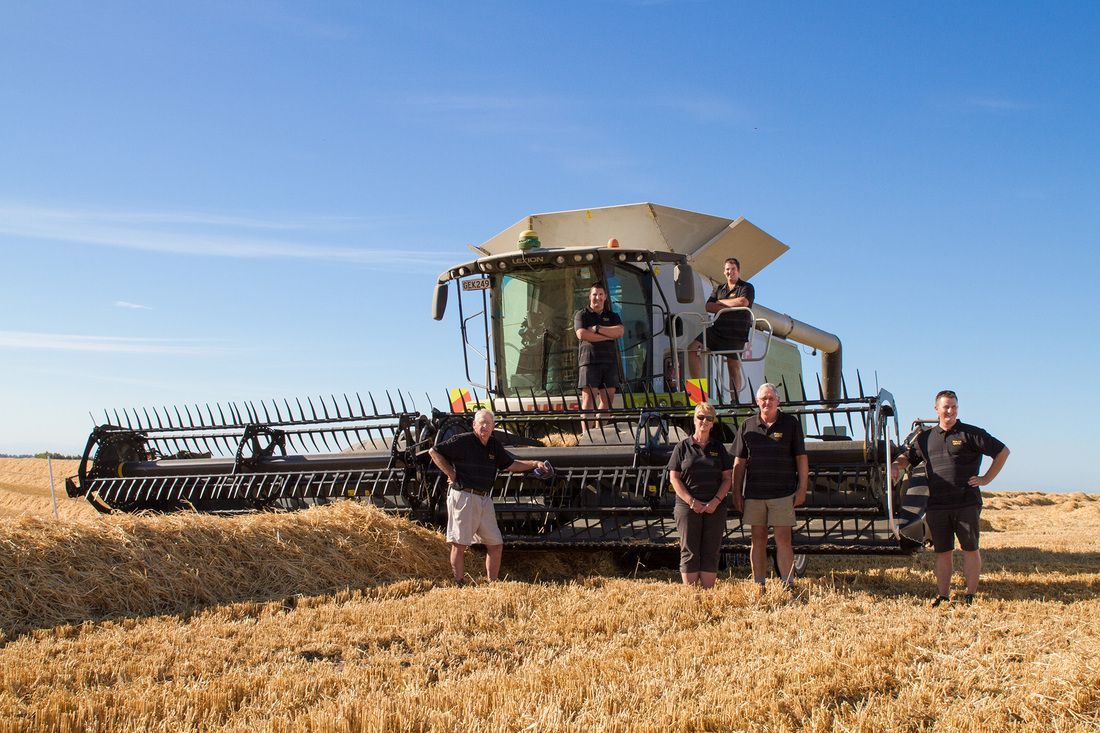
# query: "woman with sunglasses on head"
{"type": "Point", "coordinates": [701, 473]}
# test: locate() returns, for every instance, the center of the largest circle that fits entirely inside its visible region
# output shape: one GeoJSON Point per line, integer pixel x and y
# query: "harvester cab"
{"type": "Point", "coordinates": [515, 304]}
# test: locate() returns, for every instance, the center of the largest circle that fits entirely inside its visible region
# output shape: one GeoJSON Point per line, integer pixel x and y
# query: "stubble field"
{"type": "Point", "coordinates": [341, 619]}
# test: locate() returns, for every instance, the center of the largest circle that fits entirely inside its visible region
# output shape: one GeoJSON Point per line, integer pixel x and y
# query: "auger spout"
{"type": "Point", "coordinates": [828, 344]}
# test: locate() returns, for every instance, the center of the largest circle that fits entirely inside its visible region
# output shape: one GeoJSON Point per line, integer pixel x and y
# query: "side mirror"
{"type": "Point", "coordinates": [439, 301]}
{"type": "Point", "coordinates": [684, 279]}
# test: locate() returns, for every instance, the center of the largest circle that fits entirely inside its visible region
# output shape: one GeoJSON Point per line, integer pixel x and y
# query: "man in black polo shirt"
{"type": "Point", "coordinates": [597, 328]}
{"type": "Point", "coordinates": [771, 474]}
{"type": "Point", "coordinates": [470, 462]}
{"type": "Point", "coordinates": [731, 330]}
{"type": "Point", "coordinates": [952, 452]}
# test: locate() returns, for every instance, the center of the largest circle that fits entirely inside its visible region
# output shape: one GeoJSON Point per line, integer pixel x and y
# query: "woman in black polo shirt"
{"type": "Point", "coordinates": [701, 473]}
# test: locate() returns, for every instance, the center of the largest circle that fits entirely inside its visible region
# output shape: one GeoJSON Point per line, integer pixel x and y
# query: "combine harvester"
{"type": "Point", "coordinates": [515, 306]}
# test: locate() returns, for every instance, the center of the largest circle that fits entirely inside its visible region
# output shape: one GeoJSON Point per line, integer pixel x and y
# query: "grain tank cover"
{"type": "Point", "coordinates": [706, 240]}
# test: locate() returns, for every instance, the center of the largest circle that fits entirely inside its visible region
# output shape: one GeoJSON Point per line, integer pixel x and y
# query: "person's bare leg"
{"type": "Point", "coordinates": [492, 560]}
{"type": "Point", "coordinates": [707, 579]}
{"type": "Point", "coordinates": [690, 578]}
{"type": "Point", "coordinates": [734, 367]}
{"type": "Point", "coordinates": [943, 573]}
{"type": "Point", "coordinates": [972, 568]}
{"type": "Point", "coordinates": [758, 555]}
{"type": "Point", "coordinates": [607, 395]}
{"type": "Point", "coordinates": [588, 403]}
{"type": "Point", "coordinates": [784, 553]}
{"type": "Point", "coordinates": [695, 361]}
{"type": "Point", "coordinates": [458, 561]}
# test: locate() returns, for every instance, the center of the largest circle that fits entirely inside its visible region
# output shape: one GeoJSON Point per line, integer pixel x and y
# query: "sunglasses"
{"type": "Point", "coordinates": [705, 418]}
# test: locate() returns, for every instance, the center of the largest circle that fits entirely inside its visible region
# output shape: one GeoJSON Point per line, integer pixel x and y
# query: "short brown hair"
{"type": "Point", "coordinates": [949, 393]}
{"type": "Point", "coordinates": [735, 261]}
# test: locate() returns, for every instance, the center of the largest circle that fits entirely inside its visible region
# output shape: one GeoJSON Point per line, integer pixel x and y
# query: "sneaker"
{"type": "Point", "coordinates": [968, 599]}
{"type": "Point", "coordinates": [940, 600]}
{"type": "Point", "coordinates": [460, 582]}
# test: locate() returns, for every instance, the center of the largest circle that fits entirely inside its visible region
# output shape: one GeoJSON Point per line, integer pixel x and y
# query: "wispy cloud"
{"type": "Point", "coordinates": [999, 103]}
{"type": "Point", "coordinates": [165, 233]}
{"type": "Point", "coordinates": [27, 340]}
{"type": "Point", "coordinates": [706, 108]}
{"type": "Point", "coordinates": [131, 306]}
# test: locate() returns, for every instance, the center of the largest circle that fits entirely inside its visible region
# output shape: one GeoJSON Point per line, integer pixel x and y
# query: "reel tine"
{"type": "Point", "coordinates": [176, 409]}
{"type": "Point", "coordinates": [362, 410]}
{"type": "Point", "coordinates": [267, 415]}
{"type": "Point", "coordinates": [126, 414]}
{"type": "Point", "coordinates": [118, 420]}
{"type": "Point", "coordinates": [843, 387]}
{"type": "Point", "coordinates": [859, 381]}
{"type": "Point", "coordinates": [221, 414]}
{"type": "Point", "coordinates": [289, 411]}
{"type": "Point", "coordinates": [190, 420]}
{"type": "Point", "coordinates": [431, 405]}
{"type": "Point", "coordinates": [210, 414]}
{"type": "Point", "coordinates": [373, 404]}
{"type": "Point", "coordinates": [820, 391]}
{"type": "Point", "coordinates": [301, 410]}
{"type": "Point", "coordinates": [148, 420]}
{"type": "Point", "coordinates": [401, 398]}
{"type": "Point", "coordinates": [324, 407]}
{"type": "Point", "coordinates": [393, 410]}
{"type": "Point", "coordinates": [351, 412]}
{"type": "Point", "coordinates": [106, 418]}
{"type": "Point", "coordinates": [322, 434]}
{"type": "Point", "coordinates": [314, 441]}
{"type": "Point", "coordinates": [802, 386]}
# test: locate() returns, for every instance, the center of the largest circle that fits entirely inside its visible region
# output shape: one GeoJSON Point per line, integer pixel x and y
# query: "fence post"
{"type": "Point", "coordinates": [53, 493]}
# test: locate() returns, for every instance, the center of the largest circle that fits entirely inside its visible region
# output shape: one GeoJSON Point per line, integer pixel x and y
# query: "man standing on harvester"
{"type": "Point", "coordinates": [952, 452]}
{"type": "Point", "coordinates": [597, 328]}
{"type": "Point", "coordinates": [730, 331]}
{"type": "Point", "coordinates": [470, 462]}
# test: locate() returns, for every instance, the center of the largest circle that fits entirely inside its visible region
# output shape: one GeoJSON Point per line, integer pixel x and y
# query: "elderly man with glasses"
{"type": "Point", "coordinates": [771, 475]}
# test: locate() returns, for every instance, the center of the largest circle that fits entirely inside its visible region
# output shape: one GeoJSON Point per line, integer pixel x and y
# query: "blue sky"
{"type": "Point", "coordinates": [219, 201]}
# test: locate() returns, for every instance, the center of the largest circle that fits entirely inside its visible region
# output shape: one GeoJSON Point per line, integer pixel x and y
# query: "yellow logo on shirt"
{"type": "Point", "coordinates": [777, 436]}
{"type": "Point", "coordinates": [956, 442]}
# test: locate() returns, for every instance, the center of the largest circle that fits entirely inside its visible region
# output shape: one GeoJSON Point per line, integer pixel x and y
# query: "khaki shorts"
{"type": "Point", "coordinates": [471, 519]}
{"type": "Point", "coordinates": [769, 512]}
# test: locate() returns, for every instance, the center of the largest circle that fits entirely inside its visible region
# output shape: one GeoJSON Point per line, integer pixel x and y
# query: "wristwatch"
{"type": "Point", "coordinates": [597, 329]}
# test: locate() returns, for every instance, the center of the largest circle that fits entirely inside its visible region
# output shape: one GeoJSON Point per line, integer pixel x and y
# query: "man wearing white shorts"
{"type": "Point", "coordinates": [470, 462]}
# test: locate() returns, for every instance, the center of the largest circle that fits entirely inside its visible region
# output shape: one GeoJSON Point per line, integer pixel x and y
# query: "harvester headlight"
{"type": "Point", "coordinates": [462, 271]}
{"type": "Point", "coordinates": [589, 257]}
{"type": "Point", "coordinates": [502, 265]}
{"type": "Point", "coordinates": [622, 257]}
{"type": "Point", "coordinates": [639, 257]}
{"type": "Point", "coordinates": [576, 258]}
{"type": "Point", "coordinates": [559, 260]}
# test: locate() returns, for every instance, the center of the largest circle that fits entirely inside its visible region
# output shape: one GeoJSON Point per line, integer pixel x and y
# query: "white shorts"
{"type": "Point", "coordinates": [471, 519]}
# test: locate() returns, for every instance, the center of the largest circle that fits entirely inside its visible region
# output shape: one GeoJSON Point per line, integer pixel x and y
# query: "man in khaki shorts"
{"type": "Point", "coordinates": [470, 462]}
{"type": "Point", "coordinates": [771, 474]}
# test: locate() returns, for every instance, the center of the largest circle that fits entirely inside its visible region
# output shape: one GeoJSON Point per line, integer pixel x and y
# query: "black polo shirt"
{"type": "Point", "coordinates": [700, 466]}
{"type": "Point", "coordinates": [733, 326]}
{"type": "Point", "coordinates": [772, 472]}
{"type": "Point", "coordinates": [952, 457]}
{"type": "Point", "coordinates": [476, 465]}
{"type": "Point", "coordinates": [601, 352]}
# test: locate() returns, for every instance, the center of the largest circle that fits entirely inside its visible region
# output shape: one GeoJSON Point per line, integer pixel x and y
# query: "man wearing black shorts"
{"type": "Point", "coordinates": [730, 331]}
{"type": "Point", "coordinates": [952, 452]}
{"type": "Point", "coordinates": [597, 328]}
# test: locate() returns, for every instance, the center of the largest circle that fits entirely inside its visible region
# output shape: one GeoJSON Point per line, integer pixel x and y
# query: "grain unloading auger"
{"type": "Point", "coordinates": [515, 313]}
